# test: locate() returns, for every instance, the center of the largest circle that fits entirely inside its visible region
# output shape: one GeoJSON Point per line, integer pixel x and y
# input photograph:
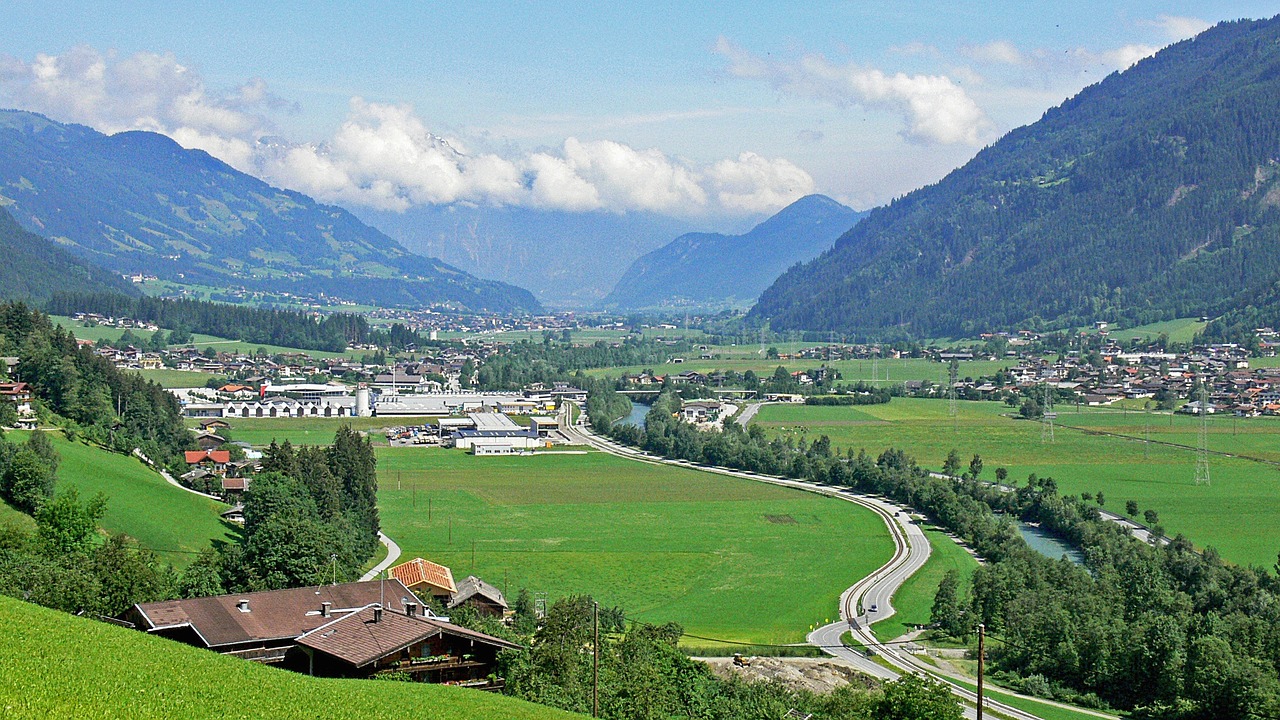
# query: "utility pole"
{"type": "Point", "coordinates": [595, 660]}
{"type": "Point", "coordinates": [982, 640]}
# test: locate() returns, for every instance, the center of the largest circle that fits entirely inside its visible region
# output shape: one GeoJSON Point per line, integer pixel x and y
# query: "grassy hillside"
{"type": "Point", "coordinates": [141, 504]}
{"type": "Point", "coordinates": [60, 666]}
{"type": "Point", "coordinates": [1157, 476]}
{"type": "Point", "coordinates": [727, 558]}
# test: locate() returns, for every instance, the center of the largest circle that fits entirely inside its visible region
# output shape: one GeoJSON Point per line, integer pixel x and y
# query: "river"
{"type": "Point", "coordinates": [636, 417]}
{"type": "Point", "coordinates": [1048, 544]}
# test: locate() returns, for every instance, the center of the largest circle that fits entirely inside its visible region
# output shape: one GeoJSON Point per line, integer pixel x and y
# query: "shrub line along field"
{"type": "Point", "coordinates": [1236, 513]}
{"type": "Point", "coordinates": [727, 558]}
{"type": "Point", "coordinates": [125, 673]}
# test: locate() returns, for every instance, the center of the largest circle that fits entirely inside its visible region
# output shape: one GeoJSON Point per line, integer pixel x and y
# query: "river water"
{"type": "Point", "coordinates": [636, 417]}
{"type": "Point", "coordinates": [1048, 544]}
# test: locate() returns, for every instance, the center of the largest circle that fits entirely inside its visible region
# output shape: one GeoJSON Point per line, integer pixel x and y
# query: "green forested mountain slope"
{"type": "Point", "coordinates": [1152, 195]}
{"type": "Point", "coordinates": [711, 269]}
{"type": "Point", "coordinates": [34, 268]}
{"type": "Point", "coordinates": [138, 201]}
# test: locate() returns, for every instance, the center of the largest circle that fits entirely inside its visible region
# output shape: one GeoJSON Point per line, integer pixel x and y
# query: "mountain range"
{"type": "Point", "coordinates": [139, 202]}
{"type": "Point", "coordinates": [1152, 194]}
{"type": "Point", "coordinates": [567, 259]}
{"type": "Point", "coordinates": [36, 269]}
{"type": "Point", "coordinates": [712, 270]}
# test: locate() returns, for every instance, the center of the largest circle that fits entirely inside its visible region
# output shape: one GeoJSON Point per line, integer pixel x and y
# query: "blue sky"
{"type": "Point", "coordinates": [690, 109]}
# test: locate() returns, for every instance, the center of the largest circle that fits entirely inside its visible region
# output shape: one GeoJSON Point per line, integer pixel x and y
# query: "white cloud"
{"type": "Point", "coordinates": [997, 51]}
{"type": "Point", "coordinates": [1121, 58]}
{"type": "Point", "coordinates": [933, 107]}
{"type": "Point", "coordinates": [755, 184]}
{"type": "Point", "coordinates": [384, 155]}
{"type": "Point", "coordinates": [1177, 27]}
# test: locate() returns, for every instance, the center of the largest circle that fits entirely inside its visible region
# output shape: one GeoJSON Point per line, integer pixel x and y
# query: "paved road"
{"type": "Point", "coordinates": [750, 413]}
{"type": "Point", "coordinates": [393, 554]}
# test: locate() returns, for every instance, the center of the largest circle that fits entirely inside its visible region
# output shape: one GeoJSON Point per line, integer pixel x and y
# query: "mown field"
{"type": "Point", "coordinates": [175, 523]}
{"type": "Point", "coordinates": [1237, 512]}
{"type": "Point", "coordinates": [60, 666]}
{"type": "Point", "coordinates": [885, 372]}
{"type": "Point", "coordinates": [729, 559]}
{"type": "Point", "coordinates": [259, 432]}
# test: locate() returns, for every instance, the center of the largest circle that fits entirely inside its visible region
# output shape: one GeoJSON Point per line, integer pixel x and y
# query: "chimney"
{"type": "Point", "coordinates": [377, 613]}
{"type": "Point", "coordinates": [411, 609]}
{"type": "Point", "coordinates": [324, 609]}
{"type": "Point", "coordinates": [243, 605]}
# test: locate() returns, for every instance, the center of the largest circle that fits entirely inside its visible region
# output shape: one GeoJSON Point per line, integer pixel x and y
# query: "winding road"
{"type": "Point", "coordinates": [911, 551]}
{"type": "Point", "coordinates": [393, 554]}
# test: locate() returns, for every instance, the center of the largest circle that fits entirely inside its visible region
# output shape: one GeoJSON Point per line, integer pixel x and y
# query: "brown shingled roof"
{"type": "Point", "coordinates": [358, 640]}
{"type": "Point", "coordinates": [273, 614]}
{"type": "Point", "coordinates": [473, 586]}
{"type": "Point", "coordinates": [418, 571]}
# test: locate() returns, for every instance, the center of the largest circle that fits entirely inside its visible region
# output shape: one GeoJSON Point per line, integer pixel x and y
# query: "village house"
{"type": "Point", "coordinates": [18, 393]}
{"type": "Point", "coordinates": [486, 599]}
{"type": "Point", "coordinates": [358, 629]}
{"type": "Point", "coordinates": [211, 461]}
{"type": "Point", "coordinates": [425, 577]}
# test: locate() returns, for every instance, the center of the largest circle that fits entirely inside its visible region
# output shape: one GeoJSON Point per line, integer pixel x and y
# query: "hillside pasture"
{"type": "Point", "coordinates": [1237, 512]}
{"type": "Point", "coordinates": [60, 666]}
{"type": "Point", "coordinates": [729, 559]}
{"type": "Point", "coordinates": [175, 523]}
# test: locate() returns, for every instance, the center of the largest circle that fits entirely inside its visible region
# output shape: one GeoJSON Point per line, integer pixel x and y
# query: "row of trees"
{"type": "Point", "coordinates": [1167, 632]}
{"type": "Point", "coordinates": [643, 675]}
{"type": "Point", "coordinates": [310, 517]}
{"type": "Point", "coordinates": [117, 409]}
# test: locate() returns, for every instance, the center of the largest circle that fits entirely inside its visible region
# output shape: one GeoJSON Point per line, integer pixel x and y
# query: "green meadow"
{"type": "Point", "coordinates": [259, 432]}
{"type": "Point", "coordinates": [175, 523]}
{"type": "Point", "coordinates": [889, 371]}
{"type": "Point", "coordinates": [60, 666]}
{"type": "Point", "coordinates": [730, 559]}
{"type": "Point", "coordinates": [1237, 512]}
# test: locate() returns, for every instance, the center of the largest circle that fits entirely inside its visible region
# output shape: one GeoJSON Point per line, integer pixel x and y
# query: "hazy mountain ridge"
{"type": "Point", "coordinates": [711, 270]}
{"type": "Point", "coordinates": [34, 268]}
{"type": "Point", "coordinates": [138, 201]}
{"type": "Point", "coordinates": [1153, 194]}
{"type": "Point", "coordinates": [568, 259]}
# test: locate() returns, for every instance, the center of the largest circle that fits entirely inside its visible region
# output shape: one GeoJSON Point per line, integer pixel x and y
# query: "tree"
{"type": "Point", "coordinates": [1151, 517]}
{"type": "Point", "coordinates": [28, 481]}
{"type": "Point", "coordinates": [975, 467]}
{"type": "Point", "coordinates": [1101, 500]}
{"type": "Point", "coordinates": [68, 526]}
{"type": "Point", "coordinates": [947, 613]}
{"type": "Point", "coordinates": [1131, 508]}
{"type": "Point", "coordinates": [951, 466]}
{"type": "Point", "coordinates": [1030, 409]}
{"type": "Point", "coordinates": [1002, 474]}
{"type": "Point", "coordinates": [8, 415]}
{"type": "Point", "coordinates": [912, 697]}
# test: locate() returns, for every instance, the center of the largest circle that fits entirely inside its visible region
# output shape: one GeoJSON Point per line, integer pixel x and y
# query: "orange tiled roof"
{"type": "Point", "coordinates": [418, 571]}
{"type": "Point", "coordinates": [199, 456]}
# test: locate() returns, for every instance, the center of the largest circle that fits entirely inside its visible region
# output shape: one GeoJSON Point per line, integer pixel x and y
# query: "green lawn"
{"type": "Point", "coordinates": [9, 514]}
{"type": "Point", "coordinates": [60, 666]}
{"type": "Point", "coordinates": [729, 559]}
{"type": "Point", "coordinates": [1159, 477]}
{"type": "Point", "coordinates": [140, 504]}
{"type": "Point", "coordinates": [913, 602]}
{"type": "Point", "coordinates": [177, 378]}
{"type": "Point", "coordinates": [259, 432]}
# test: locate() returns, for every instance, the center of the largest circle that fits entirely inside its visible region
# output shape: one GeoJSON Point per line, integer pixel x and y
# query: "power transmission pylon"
{"type": "Point", "coordinates": [1046, 420]}
{"type": "Point", "coordinates": [1202, 452]}
{"type": "Point", "coordinates": [1146, 431]}
{"type": "Point", "coordinates": [953, 408]}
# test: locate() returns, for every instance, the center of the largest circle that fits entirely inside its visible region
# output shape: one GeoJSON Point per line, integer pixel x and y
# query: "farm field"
{"type": "Point", "coordinates": [61, 666]}
{"type": "Point", "coordinates": [1237, 513]}
{"type": "Point", "coordinates": [178, 378]}
{"type": "Point", "coordinates": [729, 559]}
{"type": "Point", "coordinates": [885, 372]}
{"type": "Point", "coordinates": [175, 523]}
{"type": "Point", "coordinates": [259, 432]}
{"type": "Point", "coordinates": [913, 602]}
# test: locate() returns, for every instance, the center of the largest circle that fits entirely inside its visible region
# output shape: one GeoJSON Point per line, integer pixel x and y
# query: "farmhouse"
{"type": "Point", "coordinates": [18, 393]}
{"type": "Point", "coordinates": [213, 461]}
{"type": "Point", "coordinates": [371, 641]}
{"type": "Point", "coordinates": [476, 593]}
{"type": "Point", "coordinates": [700, 410]}
{"type": "Point", "coordinates": [358, 629]}
{"type": "Point", "coordinates": [424, 576]}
